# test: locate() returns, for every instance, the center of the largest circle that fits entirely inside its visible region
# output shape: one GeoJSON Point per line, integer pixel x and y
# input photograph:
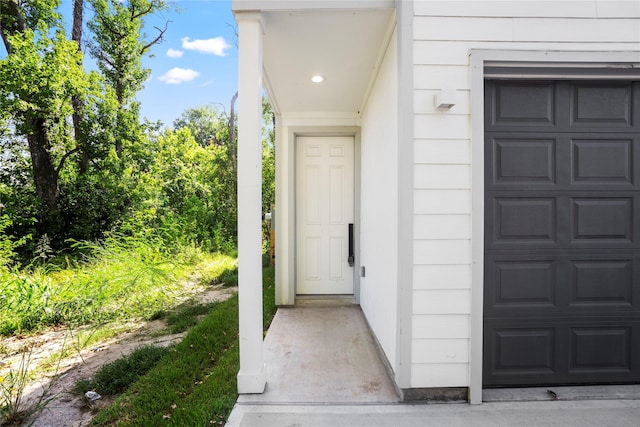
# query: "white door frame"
{"type": "Point", "coordinates": [478, 60]}
{"type": "Point", "coordinates": [285, 204]}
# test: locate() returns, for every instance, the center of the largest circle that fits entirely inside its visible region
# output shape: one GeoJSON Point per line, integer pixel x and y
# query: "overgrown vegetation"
{"type": "Point", "coordinates": [121, 280]}
{"type": "Point", "coordinates": [14, 378]}
{"type": "Point", "coordinates": [77, 164]}
{"type": "Point", "coordinates": [195, 383]}
{"type": "Point", "coordinates": [103, 217]}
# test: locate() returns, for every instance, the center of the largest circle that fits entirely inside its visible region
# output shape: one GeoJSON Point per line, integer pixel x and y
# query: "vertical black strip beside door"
{"type": "Point", "coordinates": [562, 232]}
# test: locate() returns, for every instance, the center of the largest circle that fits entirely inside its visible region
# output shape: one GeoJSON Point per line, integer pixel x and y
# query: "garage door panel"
{"type": "Point", "coordinates": [562, 106]}
{"type": "Point", "coordinates": [602, 218]}
{"type": "Point", "coordinates": [600, 349]}
{"type": "Point", "coordinates": [602, 161]}
{"type": "Point", "coordinates": [546, 351]}
{"type": "Point", "coordinates": [524, 350]}
{"type": "Point", "coordinates": [562, 162]}
{"type": "Point", "coordinates": [561, 283]}
{"type": "Point", "coordinates": [524, 161]}
{"type": "Point", "coordinates": [602, 282]}
{"type": "Point", "coordinates": [525, 219]}
{"type": "Point", "coordinates": [518, 284]}
{"type": "Point", "coordinates": [597, 104]}
{"type": "Point", "coordinates": [511, 155]}
{"type": "Point", "coordinates": [522, 103]}
{"type": "Point", "coordinates": [562, 219]}
{"type": "Point", "coordinates": [517, 221]}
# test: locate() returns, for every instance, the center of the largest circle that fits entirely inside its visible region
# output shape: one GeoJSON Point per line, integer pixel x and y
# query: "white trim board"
{"type": "Point", "coordinates": [240, 5]}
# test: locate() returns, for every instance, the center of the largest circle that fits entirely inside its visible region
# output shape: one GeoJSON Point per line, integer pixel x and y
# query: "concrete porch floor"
{"type": "Point", "coordinates": [318, 353]}
{"type": "Point", "coordinates": [324, 369]}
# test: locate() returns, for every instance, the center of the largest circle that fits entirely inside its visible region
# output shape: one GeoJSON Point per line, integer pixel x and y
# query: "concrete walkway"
{"type": "Point", "coordinates": [323, 369]}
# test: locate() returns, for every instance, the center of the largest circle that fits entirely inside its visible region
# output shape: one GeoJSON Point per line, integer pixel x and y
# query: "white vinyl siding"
{"type": "Point", "coordinates": [435, 76]}
{"type": "Point", "coordinates": [445, 32]}
{"type": "Point", "coordinates": [434, 252]}
{"type": "Point", "coordinates": [442, 202]}
{"type": "Point", "coordinates": [441, 351]}
{"type": "Point", "coordinates": [439, 374]}
{"type": "Point", "coordinates": [442, 176]}
{"type": "Point", "coordinates": [444, 276]}
{"type": "Point", "coordinates": [442, 152]}
{"type": "Point", "coordinates": [441, 326]}
{"type": "Point", "coordinates": [430, 126]}
{"type": "Point", "coordinates": [441, 301]}
{"type": "Point", "coordinates": [438, 227]}
{"type": "Point", "coordinates": [379, 207]}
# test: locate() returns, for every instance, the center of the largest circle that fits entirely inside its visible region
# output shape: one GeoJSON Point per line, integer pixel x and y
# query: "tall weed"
{"type": "Point", "coordinates": [122, 278]}
{"type": "Point", "coordinates": [8, 244]}
{"type": "Point", "coordinates": [12, 386]}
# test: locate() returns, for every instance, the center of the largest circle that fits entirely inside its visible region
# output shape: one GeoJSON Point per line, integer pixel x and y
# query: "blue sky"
{"type": "Point", "coordinates": [196, 64]}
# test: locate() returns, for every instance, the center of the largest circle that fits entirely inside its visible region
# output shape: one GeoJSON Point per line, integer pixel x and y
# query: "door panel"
{"type": "Point", "coordinates": [324, 210]}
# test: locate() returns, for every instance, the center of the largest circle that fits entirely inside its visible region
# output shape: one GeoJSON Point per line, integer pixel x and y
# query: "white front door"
{"type": "Point", "coordinates": [324, 210]}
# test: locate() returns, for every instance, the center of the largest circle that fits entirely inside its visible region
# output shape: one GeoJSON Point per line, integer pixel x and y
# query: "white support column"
{"type": "Point", "coordinates": [252, 375]}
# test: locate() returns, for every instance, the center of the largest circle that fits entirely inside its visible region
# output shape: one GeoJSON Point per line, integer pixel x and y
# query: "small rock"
{"type": "Point", "coordinates": [92, 396]}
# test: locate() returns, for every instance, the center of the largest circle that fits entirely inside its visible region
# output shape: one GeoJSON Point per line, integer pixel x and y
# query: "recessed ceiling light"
{"type": "Point", "coordinates": [317, 78]}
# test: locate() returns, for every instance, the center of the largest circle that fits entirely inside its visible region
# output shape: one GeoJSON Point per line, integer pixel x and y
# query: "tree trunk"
{"type": "Point", "coordinates": [76, 101]}
{"type": "Point", "coordinates": [119, 87]}
{"type": "Point", "coordinates": [11, 21]}
{"type": "Point", "coordinates": [45, 175]}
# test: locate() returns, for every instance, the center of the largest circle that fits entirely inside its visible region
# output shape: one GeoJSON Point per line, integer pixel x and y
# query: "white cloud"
{"type": "Point", "coordinates": [176, 76]}
{"type": "Point", "coordinates": [215, 46]}
{"type": "Point", "coordinates": [174, 53]}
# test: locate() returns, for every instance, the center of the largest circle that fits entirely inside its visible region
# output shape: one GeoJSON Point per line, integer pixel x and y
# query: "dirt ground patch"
{"type": "Point", "coordinates": [62, 408]}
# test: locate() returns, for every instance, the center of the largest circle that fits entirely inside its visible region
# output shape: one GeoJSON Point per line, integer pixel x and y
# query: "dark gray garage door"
{"type": "Point", "coordinates": [562, 232]}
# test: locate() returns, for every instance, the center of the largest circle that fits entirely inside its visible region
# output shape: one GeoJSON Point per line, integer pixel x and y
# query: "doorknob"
{"type": "Point", "coordinates": [351, 259]}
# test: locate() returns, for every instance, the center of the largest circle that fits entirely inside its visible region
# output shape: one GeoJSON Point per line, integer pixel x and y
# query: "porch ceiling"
{"type": "Point", "coordinates": [344, 46]}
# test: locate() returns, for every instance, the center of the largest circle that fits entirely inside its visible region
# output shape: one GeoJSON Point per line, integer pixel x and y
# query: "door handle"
{"type": "Point", "coordinates": [351, 259]}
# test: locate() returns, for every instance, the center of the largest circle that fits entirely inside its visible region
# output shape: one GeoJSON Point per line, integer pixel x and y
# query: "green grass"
{"type": "Point", "coordinates": [115, 377]}
{"type": "Point", "coordinates": [123, 279]}
{"type": "Point", "coordinates": [187, 316]}
{"type": "Point", "coordinates": [194, 384]}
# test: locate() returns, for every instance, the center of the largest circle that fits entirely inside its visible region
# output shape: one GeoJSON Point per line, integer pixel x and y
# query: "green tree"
{"type": "Point", "coordinates": [207, 124]}
{"type": "Point", "coordinates": [54, 110]}
{"type": "Point", "coordinates": [268, 157]}
{"type": "Point", "coordinates": [119, 43]}
{"type": "Point", "coordinates": [39, 77]}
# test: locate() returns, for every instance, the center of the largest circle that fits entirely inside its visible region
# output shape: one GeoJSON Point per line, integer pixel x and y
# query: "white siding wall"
{"type": "Point", "coordinates": [379, 205]}
{"type": "Point", "coordinates": [444, 34]}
